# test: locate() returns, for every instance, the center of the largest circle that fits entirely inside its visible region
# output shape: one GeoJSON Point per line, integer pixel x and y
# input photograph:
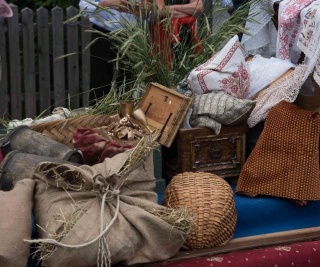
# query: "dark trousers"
{"type": "Point", "coordinates": [102, 71]}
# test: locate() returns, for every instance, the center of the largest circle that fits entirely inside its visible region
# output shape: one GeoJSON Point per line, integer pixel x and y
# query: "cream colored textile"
{"type": "Point", "coordinates": [219, 108]}
{"type": "Point", "coordinates": [15, 224]}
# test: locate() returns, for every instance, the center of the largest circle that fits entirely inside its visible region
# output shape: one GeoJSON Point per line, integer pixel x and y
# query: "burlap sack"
{"type": "Point", "coordinates": [15, 224]}
{"type": "Point", "coordinates": [136, 236]}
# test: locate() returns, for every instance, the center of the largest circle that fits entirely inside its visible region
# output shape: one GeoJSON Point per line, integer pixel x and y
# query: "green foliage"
{"type": "Point", "coordinates": [142, 58]}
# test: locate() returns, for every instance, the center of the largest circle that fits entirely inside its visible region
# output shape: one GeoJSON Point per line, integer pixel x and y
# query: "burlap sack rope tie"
{"type": "Point", "coordinates": [104, 255]}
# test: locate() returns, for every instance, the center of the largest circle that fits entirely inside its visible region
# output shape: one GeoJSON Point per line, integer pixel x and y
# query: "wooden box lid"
{"type": "Point", "coordinates": [165, 110]}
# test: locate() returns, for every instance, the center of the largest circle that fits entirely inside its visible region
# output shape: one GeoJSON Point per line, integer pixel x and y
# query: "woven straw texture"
{"type": "Point", "coordinates": [210, 201]}
{"type": "Point", "coordinates": [62, 130]}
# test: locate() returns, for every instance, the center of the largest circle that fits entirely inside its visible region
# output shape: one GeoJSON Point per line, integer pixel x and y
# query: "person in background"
{"type": "Point", "coordinates": [179, 8]}
{"type": "Point", "coordinates": [111, 16]}
{"type": "Point", "coordinates": [183, 15]}
{"type": "Point", "coordinates": [227, 4]}
{"type": "Point", "coordinates": [237, 4]}
{"type": "Point", "coordinates": [5, 10]}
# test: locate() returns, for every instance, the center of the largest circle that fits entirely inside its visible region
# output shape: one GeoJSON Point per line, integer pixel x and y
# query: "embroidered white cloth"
{"type": "Point", "coordinates": [286, 89]}
{"type": "Point", "coordinates": [272, 68]}
{"type": "Point", "coordinates": [226, 70]}
{"type": "Point", "coordinates": [289, 28]}
{"type": "Point", "coordinates": [261, 34]}
{"type": "Point", "coordinates": [309, 37]}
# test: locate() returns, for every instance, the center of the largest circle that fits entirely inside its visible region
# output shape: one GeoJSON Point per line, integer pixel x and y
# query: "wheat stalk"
{"type": "Point", "coordinates": [137, 54]}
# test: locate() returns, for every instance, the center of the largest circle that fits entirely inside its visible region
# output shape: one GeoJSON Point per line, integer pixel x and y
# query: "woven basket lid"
{"type": "Point", "coordinates": [210, 200]}
{"type": "Point", "coordinates": [62, 130]}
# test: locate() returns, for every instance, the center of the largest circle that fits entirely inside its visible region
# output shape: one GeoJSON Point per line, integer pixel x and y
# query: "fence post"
{"type": "Point", "coordinates": [4, 94]}
{"type": "Point", "coordinates": [73, 58]}
{"type": "Point", "coordinates": [44, 61]}
{"type": "Point", "coordinates": [29, 63]}
{"type": "Point", "coordinates": [15, 68]}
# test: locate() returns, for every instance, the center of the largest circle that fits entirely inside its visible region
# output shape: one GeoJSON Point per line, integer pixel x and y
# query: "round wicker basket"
{"type": "Point", "coordinates": [210, 200]}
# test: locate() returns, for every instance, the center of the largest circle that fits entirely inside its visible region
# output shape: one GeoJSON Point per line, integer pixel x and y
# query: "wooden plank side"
{"type": "Point", "coordinates": [44, 61]}
{"type": "Point", "coordinates": [59, 98]}
{"type": "Point", "coordinates": [85, 59]}
{"type": "Point", "coordinates": [299, 235]}
{"type": "Point", "coordinates": [15, 68]}
{"type": "Point", "coordinates": [73, 57]}
{"type": "Point", "coordinates": [28, 47]}
{"type": "Point", "coordinates": [4, 93]}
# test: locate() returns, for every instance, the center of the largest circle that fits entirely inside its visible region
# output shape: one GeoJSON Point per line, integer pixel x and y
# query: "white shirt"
{"type": "Point", "coordinates": [226, 3]}
{"type": "Point", "coordinates": [110, 19]}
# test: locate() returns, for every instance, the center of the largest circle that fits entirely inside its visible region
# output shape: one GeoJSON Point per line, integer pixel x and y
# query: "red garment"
{"type": "Point", "coordinates": [94, 147]}
{"type": "Point", "coordinates": [163, 37]}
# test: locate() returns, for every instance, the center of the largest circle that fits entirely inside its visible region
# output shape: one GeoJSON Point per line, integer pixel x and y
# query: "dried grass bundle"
{"type": "Point", "coordinates": [45, 250]}
{"type": "Point", "coordinates": [139, 153]}
{"type": "Point", "coordinates": [178, 218]}
{"type": "Point", "coordinates": [72, 180]}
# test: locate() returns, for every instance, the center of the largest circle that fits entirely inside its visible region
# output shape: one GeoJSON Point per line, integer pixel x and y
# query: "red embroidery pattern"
{"type": "Point", "coordinates": [309, 25]}
{"type": "Point", "coordinates": [237, 83]}
{"type": "Point", "coordinates": [223, 63]}
{"type": "Point", "coordinates": [201, 81]}
{"type": "Point", "coordinates": [289, 26]}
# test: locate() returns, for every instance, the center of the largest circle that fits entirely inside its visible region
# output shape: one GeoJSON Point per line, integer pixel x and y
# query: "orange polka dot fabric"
{"type": "Point", "coordinates": [285, 160]}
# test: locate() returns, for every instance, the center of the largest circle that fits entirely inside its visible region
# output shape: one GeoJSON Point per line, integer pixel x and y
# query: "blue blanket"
{"type": "Point", "coordinates": [263, 215]}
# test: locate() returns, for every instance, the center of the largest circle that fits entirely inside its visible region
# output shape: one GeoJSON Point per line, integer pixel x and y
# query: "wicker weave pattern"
{"type": "Point", "coordinates": [210, 200]}
{"type": "Point", "coordinates": [62, 130]}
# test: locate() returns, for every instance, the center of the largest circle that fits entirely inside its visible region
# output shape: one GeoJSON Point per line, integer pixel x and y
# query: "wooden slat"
{"type": "Point", "coordinates": [44, 61]}
{"type": "Point", "coordinates": [15, 68]}
{"type": "Point", "coordinates": [44, 84]}
{"type": "Point", "coordinates": [58, 52]}
{"type": "Point", "coordinates": [29, 63]}
{"type": "Point", "coordinates": [250, 242]}
{"type": "Point", "coordinates": [85, 60]}
{"type": "Point", "coordinates": [4, 94]}
{"type": "Point", "coordinates": [73, 60]}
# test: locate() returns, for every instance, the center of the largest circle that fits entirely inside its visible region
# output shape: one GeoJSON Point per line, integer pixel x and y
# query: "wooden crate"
{"type": "Point", "coordinates": [165, 110]}
{"type": "Point", "coordinates": [199, 149]}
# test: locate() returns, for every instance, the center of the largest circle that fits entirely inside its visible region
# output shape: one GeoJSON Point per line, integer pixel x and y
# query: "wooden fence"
{"type": "Point", "coordinates": [37, 75]}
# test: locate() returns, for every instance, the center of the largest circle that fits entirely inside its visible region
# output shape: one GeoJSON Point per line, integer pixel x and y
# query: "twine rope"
{"type": "Point", "coordinates": [104, 255]}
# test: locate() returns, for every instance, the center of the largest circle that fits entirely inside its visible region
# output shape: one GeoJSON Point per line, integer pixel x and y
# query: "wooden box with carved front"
{"type": "Point", "coordinates": [199, 149]}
